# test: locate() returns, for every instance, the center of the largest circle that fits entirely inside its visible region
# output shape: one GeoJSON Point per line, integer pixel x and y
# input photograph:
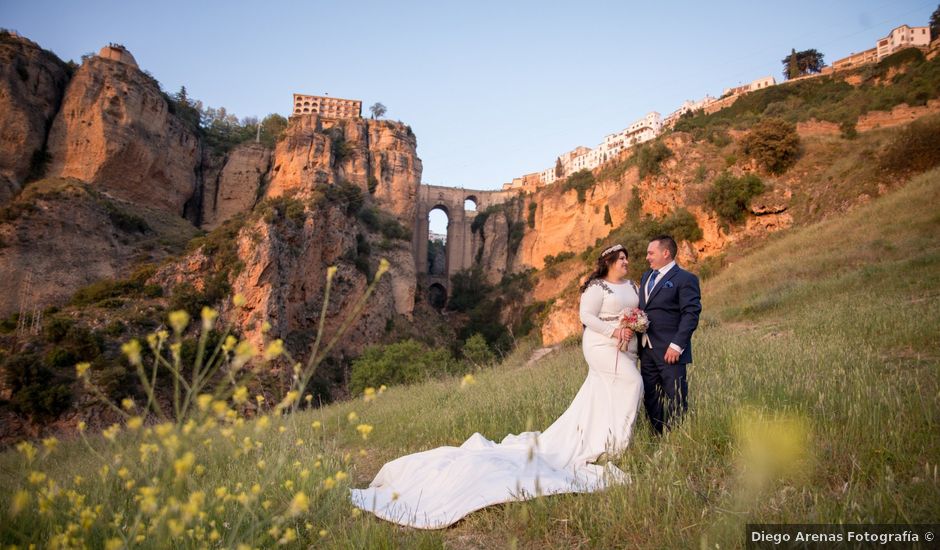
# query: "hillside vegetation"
{"type": "Point", "coordinates": [813, 395]}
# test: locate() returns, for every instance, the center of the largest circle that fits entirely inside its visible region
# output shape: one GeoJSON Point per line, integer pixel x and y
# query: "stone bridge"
{"type": "Point", "coordinates": [461, 242]}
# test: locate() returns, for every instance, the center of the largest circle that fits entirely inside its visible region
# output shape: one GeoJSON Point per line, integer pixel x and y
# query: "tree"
{"type": "Point", "coordinates": [793, 67]}
{"type": "Point", "coordinates": [607, 218]}
{"type": "Point", "coordinates": [807, 62]}
{"type": "Point", "coordinates": [559, 169]}
{"type": "Point", "coordinates": [378, 110]}
{"type": "Point", "coordinates": [935, 24]}
{"type": "Point", "coordinates": [773, 143]}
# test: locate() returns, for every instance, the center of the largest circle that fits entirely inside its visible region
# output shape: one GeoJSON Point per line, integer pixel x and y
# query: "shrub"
{"type": "Point", "coordinates": [914, 149]}
{"type": "Point", "coordinates": [607, 218]}
{"type": "Point", "coordinates": [531, 219]}
{"type": "Point", "coordinates": [467, 289]}
{"type": "Point", "coordinates": [129, 223]}
{"type": "Point", "coordinates": [388, 225]}
{"type": "Point", "coordinates": [581, 181]}
{"type": "Point", "coordinates": [682, 225]}
{"type": "Point", "coordinates": [36, 391]}
{"type": "Point", "coordinates": [649, 158]}
{"type": "Point", "coordinates": [516, 233]}
{"type": "Point", "coordinates": [477, 352]}
{"type": "Point", "coordinates": [373, 184]}
{"type": "Point", "coordinates": [730, 196]}
{"type": "Point", "coordinates": [343, 193]}
{"type": "Point", "coordinates": [404, 362]}
{"type": "Point", "coordinates": [635, 206]}
{"type": "Point", "coordinates": [773, 143]}
{"type": "Point", "coordinates": [551, 260]}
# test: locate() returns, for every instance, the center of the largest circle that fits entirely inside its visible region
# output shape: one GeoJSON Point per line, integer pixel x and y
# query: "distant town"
{"type": "Point", "coordinates": [652, 124]}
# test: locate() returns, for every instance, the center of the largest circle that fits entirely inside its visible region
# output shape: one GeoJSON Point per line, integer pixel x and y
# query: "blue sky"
{"type": "Point", "coordinates": [492, 90]}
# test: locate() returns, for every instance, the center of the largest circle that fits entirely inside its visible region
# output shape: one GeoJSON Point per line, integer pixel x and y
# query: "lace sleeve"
{"type": "Point", "coordinates": [591, 301]}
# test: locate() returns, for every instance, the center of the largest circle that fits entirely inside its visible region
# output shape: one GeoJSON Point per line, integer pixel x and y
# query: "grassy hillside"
{"type": "Point", "coordinates": [814, 399]}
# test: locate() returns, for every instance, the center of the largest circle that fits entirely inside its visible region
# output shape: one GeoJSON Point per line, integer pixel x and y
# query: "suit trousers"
{"type": "Point", "coordinates": [665, 392]}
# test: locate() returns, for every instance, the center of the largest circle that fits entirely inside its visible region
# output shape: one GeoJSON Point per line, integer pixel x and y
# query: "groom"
{"type": "Point", "coordinates": [671, 298]}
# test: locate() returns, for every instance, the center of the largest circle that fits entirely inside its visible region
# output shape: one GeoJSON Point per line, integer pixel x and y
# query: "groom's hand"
{"type": "Point", "coordinates": [672, 356]}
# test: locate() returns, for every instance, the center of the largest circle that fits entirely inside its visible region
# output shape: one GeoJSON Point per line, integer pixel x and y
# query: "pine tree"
{"type": "Point", "coordinates": [793, 68]}
{"type": "Point", "coordinates": [559, 169]}
{"type": "Point", "coordinates": [607, 219]}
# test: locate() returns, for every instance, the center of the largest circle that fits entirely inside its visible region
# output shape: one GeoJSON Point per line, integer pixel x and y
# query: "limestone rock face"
{"type": "Point", "coordinates": [32, 82]}
{"type": "Point", "coordinates": [378, 156]}
{"type": "Point", "coordinates": [114, 129]}
{"type": "Point", "coordinates": [60, 235]}
{"type": "Point", "coordinates": [232, 183]}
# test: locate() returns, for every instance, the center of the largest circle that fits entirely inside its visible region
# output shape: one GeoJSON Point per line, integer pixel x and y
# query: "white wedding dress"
{"type": "Point", "coordinates": [436, 488]}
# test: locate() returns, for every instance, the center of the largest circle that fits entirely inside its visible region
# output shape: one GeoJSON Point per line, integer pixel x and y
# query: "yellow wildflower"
{"type": "Point", "coordinates": [341, 475]}
{"type": "Point", "coordinates": [316, 425]}
{"type": "Point", "coordinates": [175, 526]}
{"type": "Point", "coordinates": [27, 449]}
{"type": "Point", "coordinates": [322, 533]}
{"type": "Point", "coordinates": [134, 423]}
{"type": "Point", "coordinates": [368, 394]}
{"type": "Point", "coordinates": [468, 380]}
{"type": "Point", "coordinates": [80, 425]}
{"type": "Point", "coordinates": [113, 544]}
{"type": "Point", "coordinates": [298, 505]}
{"type": "Point", "coordinates": [164, 429]}
{"type": "Point", "coordinates": [241, 395]}
{"type": "Point", "coordinates": [256, 489]}
{"type": "Point", "coordinates": [352, 417]}
{"type": "Point", "coordinates": [111, 432]}
{"type": "Point", "coordinates": [229, 344]}
{"type": "Point", "coordinates": [20, 501]}
{"type": "Point", "coordinates": [244, 352]}
{"type": "Point", "coordinates": [124, 473]}
{"type": "Point", "coordinates": [382, 389]}
{"type": "Point", "coordinates": [132, 351]}
{"type": "Point", "coordinates": [209, 316]}
{"type": "Point", "coordinates": [383, 268]}
{"type": "Point", "coordinates": [77, 480]}
{"type": "Point", "coordinates": [356, 512]}
{"type": "Point", "coordinates": [266, 504]}
{"type": "Point", "coordinates": [239, 300]}
{"type": "Point", "coordinates": [274, 349]}
{"type": "Point", "coordinates": [182, 465]}
{"type": "Point", "coordinates": [290, 535]}
{"type": "Point", "coordinates": [81, 369]}
{"type": "Point", "coordinates": [364, 430]}
{"type": "Point", "coordinates": [261, 464]}
{"type": "Point", "coordinates": [265, 327]}
{"type": "Point", "coordinates": [329, 483]}
{"type": "Point", "coordinates": [178, 320]}
{"type": "Point", "coordinates": [304, 474]}
{"type": "Point", "coordinates": [299, 442]}
{"type": "Point", "coordinates": [36, 478]}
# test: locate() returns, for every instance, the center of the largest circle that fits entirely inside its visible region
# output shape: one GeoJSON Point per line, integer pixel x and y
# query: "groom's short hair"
{"type": "Point", "coordinates": [667, 242]}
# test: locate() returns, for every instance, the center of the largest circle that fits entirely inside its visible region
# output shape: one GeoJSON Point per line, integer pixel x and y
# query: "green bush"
{"type": "Point", "coordinates": [404, 362]}
{"type": "Point", "coordinates": [649, 157]}
{"type": "Point", "coordinates": [129, 223]}
{"type": "Point", "coordinates": [730, 196]}
{"type": "Point", "coordinates": [386, 224]}
{"type": "Point", "coordinates": [36, 390]}
{"type": "Point", "coordinates": [773, 143]}
{"type": "Point", "coordinates": [531, 218]}
{"type": "Point", "coordinates": [477, 352]}
{"type": "Point", "coordinates": [55, 329]}
{"type": "Point", "coordinates": [915, 149]}
{"type": "Point", "coordinates": [581, 181]}
{"type": "Point", "coordinates": [342, 193]}
{"type": "Point", "coordinates": [551, 260]}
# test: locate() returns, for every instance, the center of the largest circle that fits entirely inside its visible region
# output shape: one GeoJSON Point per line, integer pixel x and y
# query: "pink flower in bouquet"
{"type": "Point", "coordinates": [634, 319]}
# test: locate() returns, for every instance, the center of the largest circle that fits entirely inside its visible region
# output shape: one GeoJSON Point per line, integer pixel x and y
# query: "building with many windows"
{"type": "Point", "coordinates": [583, 158]}
{"type": "Point", "coordinates": [326, 106]}
{"type": "Point", "coordinates": [903, 37]}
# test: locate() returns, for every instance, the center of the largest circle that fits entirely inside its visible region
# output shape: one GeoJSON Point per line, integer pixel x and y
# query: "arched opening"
{"type": "Point", "coordinates": [470, 204]}
{"type": "Point", "coordinates": [437, 296]}
{"type": "Point", "coordinates": [437, 241]}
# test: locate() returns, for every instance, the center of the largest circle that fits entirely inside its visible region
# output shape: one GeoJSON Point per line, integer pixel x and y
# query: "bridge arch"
{"type": "Point", "coordinates": [461, 242]}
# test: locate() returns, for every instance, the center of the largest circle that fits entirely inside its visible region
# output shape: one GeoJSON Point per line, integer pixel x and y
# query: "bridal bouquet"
{"type": "Point", "coordinates": [634, 319]}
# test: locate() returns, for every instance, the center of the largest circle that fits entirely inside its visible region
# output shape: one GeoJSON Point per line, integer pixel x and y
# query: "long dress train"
{"type": "Point", "coordinates": [436, 488]}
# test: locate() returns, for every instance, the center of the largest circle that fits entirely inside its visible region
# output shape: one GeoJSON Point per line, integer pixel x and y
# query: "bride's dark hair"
{"type": "Point", "coordinates": [603, 264]}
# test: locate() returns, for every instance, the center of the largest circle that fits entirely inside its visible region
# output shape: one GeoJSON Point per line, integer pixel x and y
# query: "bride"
{"type": "Point", "coordinates": [436, 488]}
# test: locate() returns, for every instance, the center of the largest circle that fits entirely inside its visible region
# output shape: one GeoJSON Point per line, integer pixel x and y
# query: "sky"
{"type": "Point", "coordinates": [492, 90]}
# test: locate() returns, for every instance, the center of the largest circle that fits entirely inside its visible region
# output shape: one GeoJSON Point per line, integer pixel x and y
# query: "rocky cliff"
{"type": "Point", "coordinates": [32, 82]}
{"type": "Point", "coordinates": [233, 182]}
{"type": "Point", "coordinates": [114, 130]}
{"type": "Point", "coordinates": [378, 156]}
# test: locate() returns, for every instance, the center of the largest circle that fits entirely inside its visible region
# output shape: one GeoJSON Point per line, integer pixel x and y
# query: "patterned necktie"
{"type": "Point", "coordinates": [651, 282]}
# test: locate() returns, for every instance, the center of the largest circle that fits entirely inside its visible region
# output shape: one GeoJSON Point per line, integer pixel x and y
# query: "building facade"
{"type": "Point", "coordinates": [325, 106]}
{"type": "Point", "coordinates": [903, 37]}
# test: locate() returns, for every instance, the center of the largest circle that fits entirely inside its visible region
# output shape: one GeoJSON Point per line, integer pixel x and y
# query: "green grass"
{"type": "Point", "coordinates": [813, 400]}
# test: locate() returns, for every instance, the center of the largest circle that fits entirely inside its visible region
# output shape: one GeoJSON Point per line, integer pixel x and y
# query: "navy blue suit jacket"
{"type": "Point", "coordinates": [673, 309]}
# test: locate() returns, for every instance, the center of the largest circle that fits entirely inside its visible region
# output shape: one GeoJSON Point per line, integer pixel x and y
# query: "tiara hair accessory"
{"type": "Point", "coordinates": [615, 248]}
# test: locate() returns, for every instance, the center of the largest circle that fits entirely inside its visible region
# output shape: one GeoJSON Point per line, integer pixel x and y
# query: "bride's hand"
{"type": "Point", "coordinates": [626, 334]}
